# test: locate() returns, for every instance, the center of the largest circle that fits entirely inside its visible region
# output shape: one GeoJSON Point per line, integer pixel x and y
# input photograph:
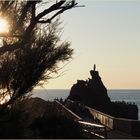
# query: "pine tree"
{"type": "Point", "coordinates": [32, 49]}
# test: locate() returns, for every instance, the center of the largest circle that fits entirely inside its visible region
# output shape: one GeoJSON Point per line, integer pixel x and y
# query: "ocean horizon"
{"type": "Point", "coordinates": [127, 95]}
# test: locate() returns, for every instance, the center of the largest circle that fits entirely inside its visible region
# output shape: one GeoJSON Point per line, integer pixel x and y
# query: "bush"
{"type": "Point", "coordinates": [56, 127]}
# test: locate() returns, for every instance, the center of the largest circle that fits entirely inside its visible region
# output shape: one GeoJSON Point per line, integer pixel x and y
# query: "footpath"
{"type": "Point", "coordinates": [115, 134]}
{"type": "Point", "coordinates": [87, 117]}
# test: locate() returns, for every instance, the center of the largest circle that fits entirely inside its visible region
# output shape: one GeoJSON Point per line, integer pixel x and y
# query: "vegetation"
{"type": "Point", "coordinates": [30, 51]}
{"type": "Point", "coordinates": [56, 127]}
{"type": "Point", "coordinates": [24, 121]}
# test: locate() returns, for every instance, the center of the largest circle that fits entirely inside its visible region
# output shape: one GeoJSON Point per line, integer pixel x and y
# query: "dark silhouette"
{"type": "Point", "coordinates": [36, 118]}
{"type": "Point", "coordinates": [93, 93]}
{"type": "Point", "coordinates": [30, 52]}
{"type": "Point", "coordinates": [94, 68]}
{"type": "Point", "coordinates": [56, 127]}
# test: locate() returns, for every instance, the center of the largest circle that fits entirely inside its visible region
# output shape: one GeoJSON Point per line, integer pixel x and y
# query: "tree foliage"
{"type": "Point", "coordinates": [30, 52]}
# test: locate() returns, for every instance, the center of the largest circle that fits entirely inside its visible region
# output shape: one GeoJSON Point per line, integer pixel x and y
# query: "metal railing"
{"type": "Point", "coordinates": [104, 119]}
{"type": "Point", "coordinates": [94, 129]}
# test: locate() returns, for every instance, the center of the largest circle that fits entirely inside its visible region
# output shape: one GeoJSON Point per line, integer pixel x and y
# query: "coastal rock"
{"type": "Point", "coordinates": [93, 93]}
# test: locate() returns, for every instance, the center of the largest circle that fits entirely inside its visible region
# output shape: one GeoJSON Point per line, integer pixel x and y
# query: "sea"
{"type": "Point", "coordinates": [127, 95]}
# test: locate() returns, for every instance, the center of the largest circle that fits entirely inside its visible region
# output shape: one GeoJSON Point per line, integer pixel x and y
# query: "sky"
{"type": "Point", "coordinates": [105, 33]}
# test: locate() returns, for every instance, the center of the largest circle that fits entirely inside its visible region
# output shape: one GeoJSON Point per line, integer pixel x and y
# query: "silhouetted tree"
{"type": "Point", "coordinates": [32, 49]}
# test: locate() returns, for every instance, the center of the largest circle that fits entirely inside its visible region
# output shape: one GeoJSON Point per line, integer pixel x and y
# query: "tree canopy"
{"type": "Point", "coordinates": [32, 48]}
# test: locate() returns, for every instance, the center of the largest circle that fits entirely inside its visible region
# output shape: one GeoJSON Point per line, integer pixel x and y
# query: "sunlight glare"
{"type": "Point", "coordinates": [3, 26]}
{"type": "Point", "coordinates": [6, 99]}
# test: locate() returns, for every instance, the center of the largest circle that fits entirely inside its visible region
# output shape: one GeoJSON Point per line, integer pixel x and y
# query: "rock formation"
{"type": "Point", "coordinates": [93, 93]}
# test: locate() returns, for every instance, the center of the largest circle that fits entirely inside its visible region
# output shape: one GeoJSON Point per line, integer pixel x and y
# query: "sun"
{"type": "Point", "coordinates": [3, 26]}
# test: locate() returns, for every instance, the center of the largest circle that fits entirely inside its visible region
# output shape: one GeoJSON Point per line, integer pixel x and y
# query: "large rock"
{"type": "Point", "coordinates": [93, 93]}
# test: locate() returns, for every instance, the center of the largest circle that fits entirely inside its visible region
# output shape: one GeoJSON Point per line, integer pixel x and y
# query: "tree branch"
{"type": "Point", "coordinates": [24, 12]}
{"type": "Point", "coordinates": [52, 8]}
{"type": "Point", "coordinates": [56, 14]}
{"type": "Point", "coordinates": [62, 6]}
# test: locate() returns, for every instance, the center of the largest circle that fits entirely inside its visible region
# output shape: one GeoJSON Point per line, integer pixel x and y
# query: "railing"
{"type": "Point", "coordinates": [129, 126]}
{"type": "Point", "coordinates": [104, 119]}
{"type": "Point", "coordinates": [94, 129]}
{"type": "Point", "coordinates": [65, 111]}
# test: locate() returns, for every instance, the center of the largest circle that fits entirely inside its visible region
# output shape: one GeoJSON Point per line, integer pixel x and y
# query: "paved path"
{"type": "Point", "coordinates": [115, 134]}
{"type": "Point", "coordinates": [111, 134]}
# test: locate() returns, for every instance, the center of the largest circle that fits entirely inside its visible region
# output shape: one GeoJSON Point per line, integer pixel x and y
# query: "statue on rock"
{"type": "Point", "coordinates": [94, 68]}
{"type": "Point", "coordinates": [91, 92]}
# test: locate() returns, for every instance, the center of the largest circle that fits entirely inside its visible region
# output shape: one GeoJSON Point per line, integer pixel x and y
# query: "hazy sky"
{"type": "Point", "coordinates": [105, 33]}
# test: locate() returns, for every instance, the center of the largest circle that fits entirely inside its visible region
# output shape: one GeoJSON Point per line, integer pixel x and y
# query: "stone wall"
{"type": "Point", "coordinates": [125, 110]}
